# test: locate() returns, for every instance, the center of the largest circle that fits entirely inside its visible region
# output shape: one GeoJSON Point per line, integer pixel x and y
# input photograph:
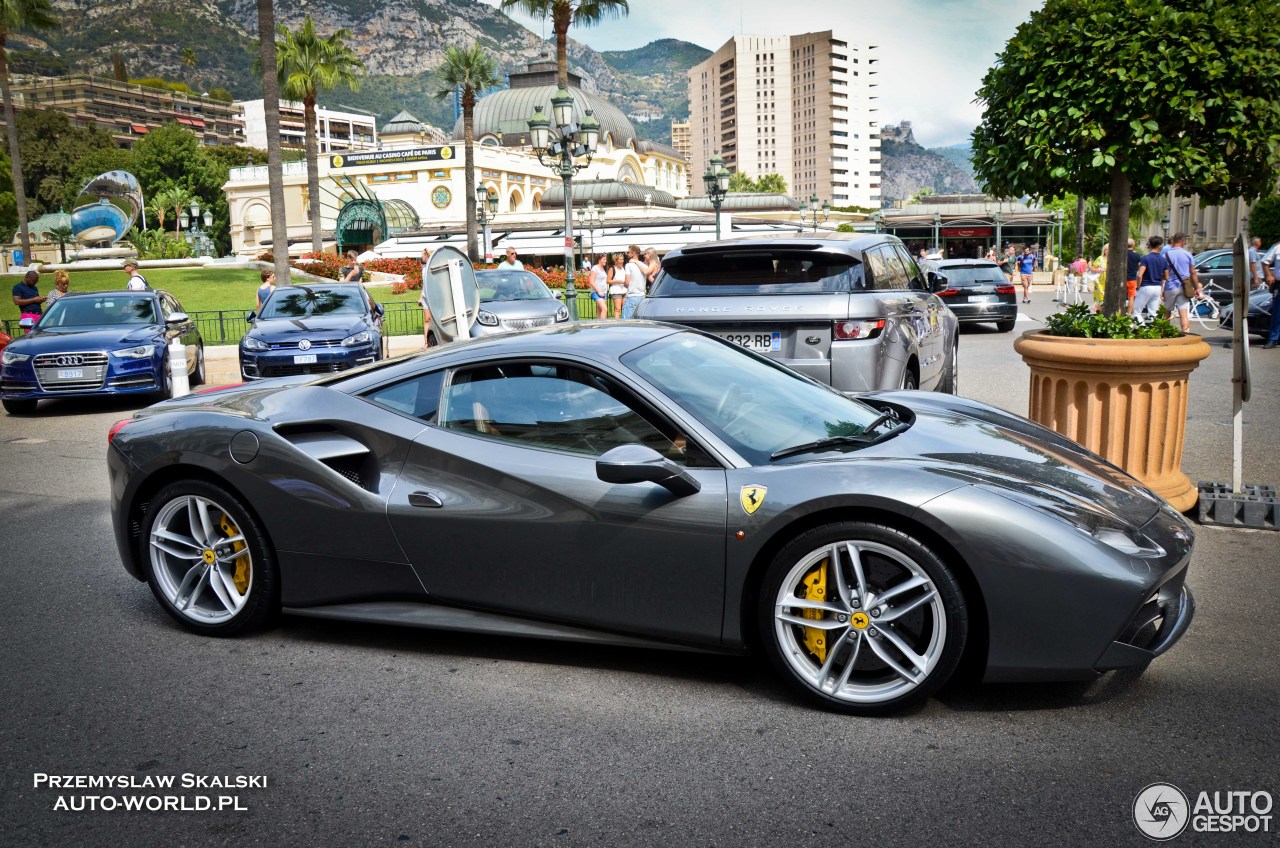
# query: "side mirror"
{"type": "Point", "coordinates": [176, 318]}
{"type": "Point", "coordinates": [251, 317]}
{"type": "Point", "coordinates": [640, 464]}
{"type": "Point", "coordinates": [379, 310]}
{"type": "Point", "coordinates": [27, 323]}
{"type": "Point", "coordinates": [937, 282]}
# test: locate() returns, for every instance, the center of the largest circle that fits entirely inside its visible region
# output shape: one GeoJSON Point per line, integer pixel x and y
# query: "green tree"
{"type": "Point", "coordinates": [61, 236]}
{"type": "Point", "coordinates": [188, 58]}
{"type": "Point", "coordinates": [162, 200]}
{"type": "Point", "coordinates": [1264, 220]}
{"type": "Point", "coordinates": [15, 16]}
{"type": "Point", "coordinates": [566, 13]}
{"type": "Point", "coordinates": [472, 70]}
{"type": "Point", "coordinates": [118, 70]}
{"type": "Point", "coordinates": [740, 181]}
{"type": "Point", "coordinates": [772, 183]}
{"type": "Point", "coordinates": [1176, 94]}
{"type": "Point", "coordinates": [222, 94]}
{"type": "Point", "coordinates": [51, 149]}
{"type": "Point", "coordinates": [308, 64]}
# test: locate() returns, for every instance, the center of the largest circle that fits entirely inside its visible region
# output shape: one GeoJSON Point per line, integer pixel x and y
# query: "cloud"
{"type": "Point", "coordinates": [933, 53]}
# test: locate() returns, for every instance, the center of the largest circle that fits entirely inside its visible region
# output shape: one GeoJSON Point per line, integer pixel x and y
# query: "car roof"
{"type": "Point", "coordinates": [950, 263]}
{"type": "Point", "coordinates": [851, 244]}
{"type": "Point", "coordinates": [116, 293]}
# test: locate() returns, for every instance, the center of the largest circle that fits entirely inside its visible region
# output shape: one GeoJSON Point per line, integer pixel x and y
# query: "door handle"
{"type": "Point", "coordinates": [425, 499]}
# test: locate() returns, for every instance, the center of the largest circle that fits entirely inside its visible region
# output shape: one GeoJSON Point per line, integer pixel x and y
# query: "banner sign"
{"type": "Point", "coordinates": [966, 232]}
{"type": "Point", "coordinates": [391, 157]}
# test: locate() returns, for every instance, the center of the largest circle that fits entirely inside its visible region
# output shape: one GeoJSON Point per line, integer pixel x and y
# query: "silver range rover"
{"type": "Point", "coordinates": [849, 310]}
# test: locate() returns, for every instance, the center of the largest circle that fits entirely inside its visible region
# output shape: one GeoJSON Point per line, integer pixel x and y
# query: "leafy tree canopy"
{"type": "Point", "coordinates": [1264, 220]}
{"type": "Point", "coordinates": [767, 183]}
{"type": "Point", "coordinates": [1170, 93]}
{"type": "Point", "coordinates": [50, 148]}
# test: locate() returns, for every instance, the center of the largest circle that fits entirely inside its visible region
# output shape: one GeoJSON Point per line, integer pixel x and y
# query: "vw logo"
{"type": "Point", "coordinates": [69, 359]}
{"type": "Point", "coordinates": [304, 345]}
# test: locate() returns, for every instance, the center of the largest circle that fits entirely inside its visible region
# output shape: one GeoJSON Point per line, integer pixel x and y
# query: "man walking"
{"type": "Point", "coordinates": [1257, 279]}
{"type": "Point", "coordinates": [1182, 266]}
{"type": "Point", "coordinates": [1026, 267]}
{"type": "Point", "coordinates": [137, 282]}
{"type": "Point", "coordinates": [1131, 277]}
{"type": "Point", "coordinates": [1271, 268]}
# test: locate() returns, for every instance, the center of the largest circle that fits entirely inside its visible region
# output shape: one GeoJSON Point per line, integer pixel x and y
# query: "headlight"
{"type": "Point", "coordinates": [139, 352]}
{"type": "Point", "coordinates": [10, 358]}
{"type": "Point", "coordinates": [487, 318]}
{"type": "Point", "coordinates": [362, 337]}
{"type": "Point", "coordinates": [250, 343]}
{"type": "Point", "coordinates": [562, 314]}
{"type": "Point", "coordinates": [1108, 529]}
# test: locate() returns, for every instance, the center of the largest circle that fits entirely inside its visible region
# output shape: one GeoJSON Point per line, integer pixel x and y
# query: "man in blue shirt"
{"type": "Point", "coordinates": [1026, 267]}
{"type": "Point", "coordinates": [27, 297]}
{"type": "Point", "coordinates": [1182, 266]}
{"type": "Point", "coordinates": [1153, 270]}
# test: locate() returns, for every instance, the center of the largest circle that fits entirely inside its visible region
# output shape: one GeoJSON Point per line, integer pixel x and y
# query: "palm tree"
{"type": "Point", "coordinates": [61, 236]}
{"type": "Point", "coordinates": [565, 13]}
{"type": "Point", "coordinates": [275, 165]}
{"type": "Point", "coordinates": [470, 70]}
{"type": "Point", "coordinates": [180, 198]}
{"type": "Point", "coordinates": [308, 64]}
{"type": "Point", "coordinates": [18, 15]}
{"type": "Point", "coordinates": [188, 58]}
{"type": "Point", "coordinates": [161, 203]}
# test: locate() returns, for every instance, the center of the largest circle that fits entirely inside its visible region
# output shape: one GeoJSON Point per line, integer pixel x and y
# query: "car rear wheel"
{"type": "Point", "coordinates": [951, 384]}
{"type": "Point", "coordinates": [909, 381]}
{"type": "Point", "coordinates": [1005, 326]}
{"type": "Point", "coordinates": [20, 406]}
{"type": "Point", "coordinates": [165, 380]}
{"type": "Point", "coordinates": [862, 618]}
{"type": "Point", "coordinates": [208, 560]}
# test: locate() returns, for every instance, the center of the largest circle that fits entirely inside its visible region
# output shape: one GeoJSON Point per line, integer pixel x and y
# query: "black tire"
{"type": "Point", "coordinates": [432, 341]}
{"type": "Point", "coordinates": [951, 382]}
{"type": "Point", "coordinates": [198, 376]}
{"type": "Point", "coordinates": [165, 379]}
{"type": "Point", "coordinates": [208, 609]}
{"type": "Point", "coordinates": [1005, 326]}
{"type": "Point", "coordinates": [930, 620]}
{"type": "Point", "coordinates": [20, 406]}
{"type": "Point", "coordinates": [909, 380]}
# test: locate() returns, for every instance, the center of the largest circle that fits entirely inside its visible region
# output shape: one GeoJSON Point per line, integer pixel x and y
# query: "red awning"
{"type": "Point", "coordinates": [138, 128]}
{"type": "Point", "coordinates": [186, 121]}
{"type": "Point", "coordinates": [196, 122]}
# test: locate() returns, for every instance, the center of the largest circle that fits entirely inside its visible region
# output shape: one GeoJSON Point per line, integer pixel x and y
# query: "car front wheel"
{"type": "Point", "coordinates": [20, 406]}
{"type": "Point", "coordinates": [208, 560]}
{"type": "Point", "coordinates": [862, 618]}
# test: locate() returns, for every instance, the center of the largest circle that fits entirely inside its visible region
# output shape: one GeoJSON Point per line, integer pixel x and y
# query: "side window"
{"type": "Point", "coordinates": [558, 407]}
{"type": "Point", "coordinates": [915, 279]}
{"type": "Point", "coordinates": [418, 397]}
{"type": "Point", "coordinates": [879, 276]}
{"type": "Point", "coordinates": [168, 306]}
{"type": "Point", "coordinates": [898, 278]}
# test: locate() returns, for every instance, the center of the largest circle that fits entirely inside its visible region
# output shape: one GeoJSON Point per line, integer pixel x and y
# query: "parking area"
{"type": "Point", "coordinates": [377, 735]}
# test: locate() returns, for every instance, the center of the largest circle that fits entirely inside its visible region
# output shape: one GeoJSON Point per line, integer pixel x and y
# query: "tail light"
{"type": "Point", "coordinates": [848, 330]}
{"type": "Point", "coordinates": [116, 428]}
{"type": "Point", "coordinates": [1006, 290]}
{"type": "Point", "coordinates": [948, 292]}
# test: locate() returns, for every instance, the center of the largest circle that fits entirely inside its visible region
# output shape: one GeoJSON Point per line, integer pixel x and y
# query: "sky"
{"type": "Point", "coordinates": [933, 53]}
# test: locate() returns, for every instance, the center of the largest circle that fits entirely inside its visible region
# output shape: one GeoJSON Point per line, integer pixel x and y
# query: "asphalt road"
{"type": "Point", "coordinates": [380, 736]}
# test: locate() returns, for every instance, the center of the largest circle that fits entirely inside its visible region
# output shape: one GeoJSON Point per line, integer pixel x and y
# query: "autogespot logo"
{"type": "Point", "coordinates": [1160, 811]}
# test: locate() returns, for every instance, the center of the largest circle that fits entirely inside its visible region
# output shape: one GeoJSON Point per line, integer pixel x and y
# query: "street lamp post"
{"type": "Point", "coordinates": [196, 236]}
{"type": "Point", "coordinates": [813, 210]}
{"type": "Point", "coordinates": [937, 233]}
{"type": "Point", "coordinates": [486, 211]}
{"type": "Point", "coordinates": [557, 147]}
{"type": "Point", "coordinates": [716, 180]}
{"type": "Point", "coordinates": [590, 219]}
{"type": "Point", "coordinates": [1104, 209]}
{"type": "Point", "coordinates": [1164, 225]}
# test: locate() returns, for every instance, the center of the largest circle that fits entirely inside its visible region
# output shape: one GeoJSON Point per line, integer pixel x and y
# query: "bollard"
{"type": "Point", "coordinates": [178, 368]}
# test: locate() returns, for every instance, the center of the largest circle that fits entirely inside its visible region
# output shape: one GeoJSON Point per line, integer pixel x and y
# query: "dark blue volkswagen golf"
{"type": "Point", "coordinates": [312, 330]}
{"type": "Point", "coordinates": [99, 343]}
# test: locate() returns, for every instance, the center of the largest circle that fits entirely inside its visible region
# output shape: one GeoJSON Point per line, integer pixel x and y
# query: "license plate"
{"type": "Point", "coordinates": [764, 342]}
{"type": "Point", "coordinates": [70, 373]}
{"type": "Point", "coordinates": [984, 298]}
{"type": "Point", "coordinates": [304, 359]}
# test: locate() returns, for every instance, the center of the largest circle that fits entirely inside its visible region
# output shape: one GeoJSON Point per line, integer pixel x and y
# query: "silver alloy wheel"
{"type": "Point", "coordinates": [880, 631]}
{"type": "Point", "coordinates": [200, 560]}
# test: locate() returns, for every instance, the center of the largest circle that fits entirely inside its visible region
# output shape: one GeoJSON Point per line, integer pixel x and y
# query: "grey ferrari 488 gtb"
{"type": "Point", "coordinates": [645, 484]}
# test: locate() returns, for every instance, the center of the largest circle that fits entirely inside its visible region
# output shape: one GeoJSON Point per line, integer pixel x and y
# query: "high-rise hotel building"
{"type": "Point", "coordinates": [802, 106]}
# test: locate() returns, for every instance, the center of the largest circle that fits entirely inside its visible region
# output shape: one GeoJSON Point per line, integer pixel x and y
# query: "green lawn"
{"type": "Point", "coordinates": [197, 289]}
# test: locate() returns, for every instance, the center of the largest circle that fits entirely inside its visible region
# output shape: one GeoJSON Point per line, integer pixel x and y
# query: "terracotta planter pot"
{"type": "Point", "coordinates": [1124, 399]}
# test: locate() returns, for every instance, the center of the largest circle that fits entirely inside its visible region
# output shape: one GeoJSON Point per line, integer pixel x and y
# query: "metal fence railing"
{"type": "Point", "coordinates": [228, 326]}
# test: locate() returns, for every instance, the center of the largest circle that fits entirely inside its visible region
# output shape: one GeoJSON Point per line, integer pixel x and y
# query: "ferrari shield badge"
{"type": "Point", "coordinates": [751, 497]}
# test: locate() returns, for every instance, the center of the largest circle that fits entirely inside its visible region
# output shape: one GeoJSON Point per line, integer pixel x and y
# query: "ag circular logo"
{"type": "Point", "coordinates": [1161, 811]}
{"type": "Point", "coordinates": [305, 344]}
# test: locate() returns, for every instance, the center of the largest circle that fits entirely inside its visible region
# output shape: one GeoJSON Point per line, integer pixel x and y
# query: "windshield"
{"type": "Point", "coordinates": [511, 285]}
{"type": "Point", "coordinates": [304, 303]}
{"type": "Point", "coordinates": [969, 275]}
{"type": "Point", "coordinates": [755, 405]}
{"type": "Point", "coordinates": [105, 310]}
{"type": "Point", "coordinates": [762, 272]}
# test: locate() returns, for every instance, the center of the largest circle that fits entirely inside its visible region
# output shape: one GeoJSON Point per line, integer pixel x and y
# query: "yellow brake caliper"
{"type": "Point", "coordinates": [815, 589]}
{"type": "Point", "coordinates": [241, 576]}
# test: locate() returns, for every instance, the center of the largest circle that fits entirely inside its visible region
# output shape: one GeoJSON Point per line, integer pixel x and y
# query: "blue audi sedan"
{"type": "Point", "coordinates": [99, 343]}
{"type": "Point", "coordinates": [317, 329]}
